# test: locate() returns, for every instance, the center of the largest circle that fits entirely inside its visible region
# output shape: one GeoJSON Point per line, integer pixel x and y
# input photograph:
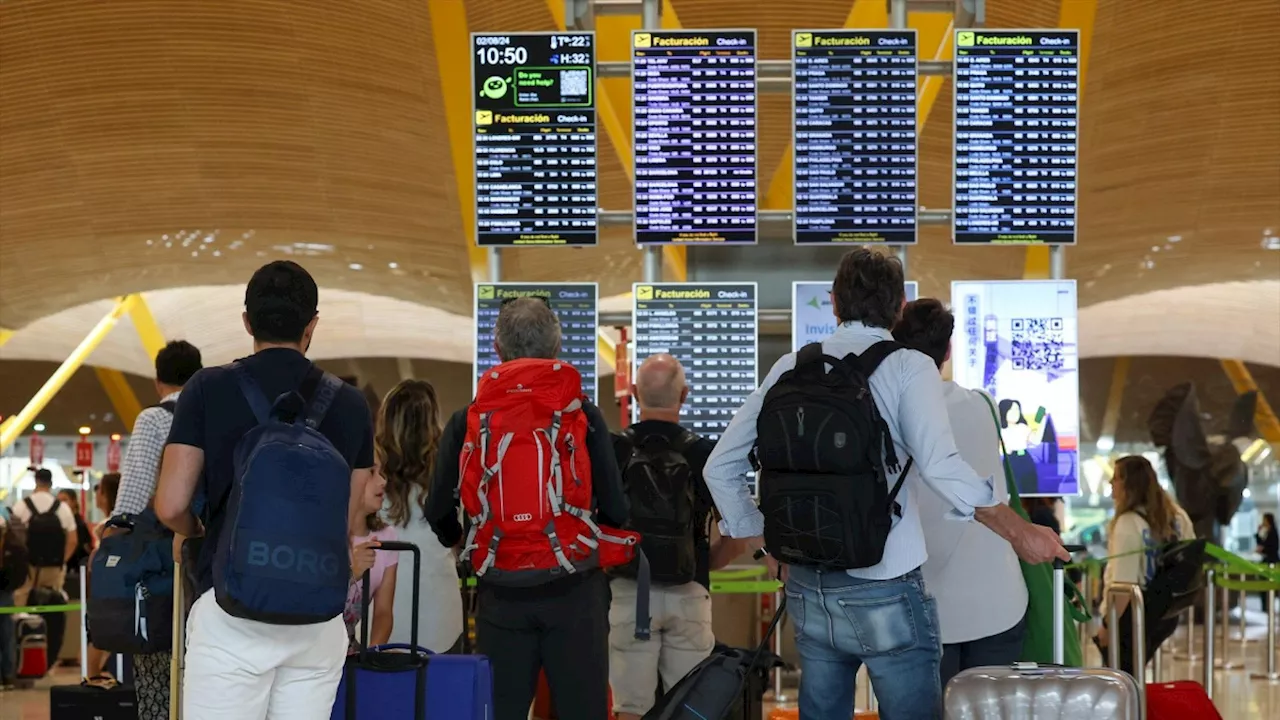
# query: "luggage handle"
{"type": "Point", "coordinates": [1059, 605]}
{"type": "Point", "coordinates": [420, 660]}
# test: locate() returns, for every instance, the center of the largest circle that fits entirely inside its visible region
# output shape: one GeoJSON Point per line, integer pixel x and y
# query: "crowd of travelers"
{"type": "Point", "coordinates": [591, 551]}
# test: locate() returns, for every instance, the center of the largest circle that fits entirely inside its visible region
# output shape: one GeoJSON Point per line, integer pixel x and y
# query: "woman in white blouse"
{"type": "Point", "coordinates": [405, 444]}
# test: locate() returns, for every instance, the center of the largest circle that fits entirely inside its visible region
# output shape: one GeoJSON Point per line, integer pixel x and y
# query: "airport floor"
{"type": "Point", "coordinates": [1237, 696]}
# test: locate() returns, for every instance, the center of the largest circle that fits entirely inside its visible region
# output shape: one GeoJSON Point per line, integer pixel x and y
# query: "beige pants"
{"type": "Point", "coordinates": [682, 638]}
{"type": "Point", "coordinates": [48, 577]}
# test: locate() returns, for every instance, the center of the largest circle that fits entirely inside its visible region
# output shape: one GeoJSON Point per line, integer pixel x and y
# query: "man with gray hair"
{"type": "Point", "coordinates": [534, 544]}
{"type": "Point", "coordinates": [672, 510]}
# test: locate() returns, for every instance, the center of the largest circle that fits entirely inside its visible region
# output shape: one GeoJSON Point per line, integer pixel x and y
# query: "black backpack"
{"type": "Point", "coordinates": [660, 483]}
{"type": "Point", "coordinates": [15, 561]}
{"type": "Point", "coordinates": [824, 452]}
{"type": "Point", "coordinates": [46, 540]}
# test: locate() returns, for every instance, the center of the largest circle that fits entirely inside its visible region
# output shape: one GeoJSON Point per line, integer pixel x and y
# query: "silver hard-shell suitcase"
{"type": "Point", "coordinates": [1026, 691]}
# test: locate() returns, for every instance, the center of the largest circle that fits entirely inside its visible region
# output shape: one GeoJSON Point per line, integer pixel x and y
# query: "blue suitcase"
{"type": "Point", "coordinates": [408, 681]}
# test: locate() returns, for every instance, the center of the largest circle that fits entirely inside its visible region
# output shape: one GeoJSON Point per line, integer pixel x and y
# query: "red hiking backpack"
{"type": "Point", "coordinates": [526, 479]}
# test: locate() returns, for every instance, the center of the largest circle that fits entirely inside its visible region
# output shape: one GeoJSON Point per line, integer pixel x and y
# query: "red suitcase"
{"type": "Point", "coordinates": [1181, 700]}
{"type": "Point", "coordinates": [32, 646]}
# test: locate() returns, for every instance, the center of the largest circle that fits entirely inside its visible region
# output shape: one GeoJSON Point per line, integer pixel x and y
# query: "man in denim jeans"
{"type": "Point", "coordinates": [881, 615]}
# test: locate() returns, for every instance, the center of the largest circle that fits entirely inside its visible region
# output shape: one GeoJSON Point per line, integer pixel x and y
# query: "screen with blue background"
{"type": "Point", "coordinates": [811, 316]}
{"type": "Point", "coordinates": [1017, 340]}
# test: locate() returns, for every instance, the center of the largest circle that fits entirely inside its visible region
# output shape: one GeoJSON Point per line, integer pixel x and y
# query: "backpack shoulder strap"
{"type": "Point", "coordinates": [871, 358]}
{"type": "Point", "coordinates": [169, 406]}
{"type": "Point", "coordinates": [685, 440]}
{"type": "Point", "coordinates": [31, 507]}
{"type": "Point", "coordinates": [322, 398]}
{"type": "Point", "coordinates": [258, 402]}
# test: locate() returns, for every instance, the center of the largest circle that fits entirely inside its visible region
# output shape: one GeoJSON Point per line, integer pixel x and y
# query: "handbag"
{"type": "Point", "coordinates": [1037, 638]}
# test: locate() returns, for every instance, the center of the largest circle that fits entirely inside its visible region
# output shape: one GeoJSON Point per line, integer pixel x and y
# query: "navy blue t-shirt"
{"type": "Point", "coordinates": [213, 415]}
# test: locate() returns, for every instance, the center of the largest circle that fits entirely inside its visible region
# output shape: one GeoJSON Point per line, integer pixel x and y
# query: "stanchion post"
{"type": "Point", "coordinates": [1209, 577]}
{"type": "Point", "coordinates": [1191, 655]}
{"type": "Point", "coordinates": [778, 696]}
{"type": "Point", "coordinates": [1270, 675]}
{"type": "Point", "coordinates": [1224, 603]}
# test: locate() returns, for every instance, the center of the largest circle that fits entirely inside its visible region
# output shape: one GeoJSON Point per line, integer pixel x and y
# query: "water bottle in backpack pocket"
{"type": "Point", "coordinates": [824, 454]}
{"type": "Point", "coordinates": [282, 557]}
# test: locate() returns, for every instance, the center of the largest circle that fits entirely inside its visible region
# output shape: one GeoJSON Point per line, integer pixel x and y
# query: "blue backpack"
{"type": "Point", "coordinates": [130, 603]}
{"type": "Point", "coordinates": [282, 557]}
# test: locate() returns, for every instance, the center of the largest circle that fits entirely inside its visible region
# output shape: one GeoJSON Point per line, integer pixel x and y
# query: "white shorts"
{"type": "Point", "coordinates": [682, 638]}
{"type": "Point", "coordinates": [239, 669]}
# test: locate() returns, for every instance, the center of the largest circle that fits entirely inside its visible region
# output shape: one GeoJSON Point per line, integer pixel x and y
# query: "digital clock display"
{"type": "Point", "coordinates": [533, 96]}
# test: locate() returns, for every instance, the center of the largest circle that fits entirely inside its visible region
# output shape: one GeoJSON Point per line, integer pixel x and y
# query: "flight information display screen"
{"type": "Point", "coordinates": [711, 329]}
{"type": "Point", "coordinates": [575, 304]}
{"type": "Point", "coordinates": [533, 96]}
{"type": "Point", "coordinates": [1017, 110]}
{"type": "Point", "coordinates": [854, 109]}
{"type": "Point", "coordinates": [694, 133]}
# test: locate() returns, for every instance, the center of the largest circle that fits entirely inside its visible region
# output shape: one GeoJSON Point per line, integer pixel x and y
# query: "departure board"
{"type": "Point", "coordinates": [711, 329]}
{"type": "Point", "coordinates": [694, 133]}
{"type": "Point", "coordinates": [575, 304]}
{"type": "Point", "coordinates": [854, 110]}
{"type": "Point", "coordinates": [533, 96]}
{"type": "Point", "coordinates": [1017, 108]}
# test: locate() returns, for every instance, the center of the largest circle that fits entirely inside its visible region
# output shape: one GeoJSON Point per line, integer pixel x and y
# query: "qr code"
{"type": "Point", "coordinates": [1037, 343]}
{"type": "Point", "coordinates": [573, 82]}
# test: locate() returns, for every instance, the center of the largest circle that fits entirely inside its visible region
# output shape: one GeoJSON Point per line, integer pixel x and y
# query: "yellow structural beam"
{"type": "Point", "coordinates": [122, 397]}
{"type": "Point", "coordinates": [148, 329]}
{"type": "Point", "coordinates": [1264, 418]}
{"type": "Point", "coordinates": [1111, 416]}
{"type": "Point", "coordinates": [1072, 14]}
{"type": "Point", "coordinates": [5, 334]}
{"type": "Point", "coordinates": [607, 349]}
{"type": "Point", "coordinates": [18, 423]}
{"type": "Point", "coordinates": [453, 48]}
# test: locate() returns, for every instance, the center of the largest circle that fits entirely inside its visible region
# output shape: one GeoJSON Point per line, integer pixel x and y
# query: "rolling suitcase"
{"type": "Point", "coordinates": [409, 681]}
{"type": "Point", "coordinates": [1027, 691]}
{"type": "Point", "coordinates": [32, 643]}
{"type": "Point", "coordinates": [1180, 700]}
{"type": "Point", "coordinates": [96, 698]}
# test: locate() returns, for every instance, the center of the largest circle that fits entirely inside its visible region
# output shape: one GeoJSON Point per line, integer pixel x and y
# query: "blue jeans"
{"type": "Point", "coordinates": [8, 641]}
{"type": "Point", "coordinates": [842, 622]}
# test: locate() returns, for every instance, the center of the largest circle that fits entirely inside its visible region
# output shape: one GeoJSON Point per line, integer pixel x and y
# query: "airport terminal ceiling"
{"type": "Point", "coordinates": [150, 145]}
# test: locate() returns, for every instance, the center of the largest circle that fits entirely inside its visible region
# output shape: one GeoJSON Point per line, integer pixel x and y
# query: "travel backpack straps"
{"type": "Point", "coordinates": [253, 394]}
{"type": "Point", "coordinates": [868, 362]}
{"type": "Point", "coordinates": [322, 398]}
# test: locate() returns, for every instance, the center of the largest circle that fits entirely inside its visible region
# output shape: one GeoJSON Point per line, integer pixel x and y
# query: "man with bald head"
{"type": "Point", "coordinates": [672, 509]}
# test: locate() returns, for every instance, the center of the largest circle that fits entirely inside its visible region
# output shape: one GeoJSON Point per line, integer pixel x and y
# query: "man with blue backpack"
{"type": "Point", "coordinates": [263, 461]}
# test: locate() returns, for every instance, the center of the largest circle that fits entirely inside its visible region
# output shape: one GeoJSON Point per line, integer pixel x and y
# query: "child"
{"type": "Point", "coordinates": [373, 531]}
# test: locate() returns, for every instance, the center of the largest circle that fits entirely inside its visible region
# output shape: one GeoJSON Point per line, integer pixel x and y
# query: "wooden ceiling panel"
{"type": "Point", "coordinates": [157, 143]}
{"type": "Point", "coordinates": [274, 128]}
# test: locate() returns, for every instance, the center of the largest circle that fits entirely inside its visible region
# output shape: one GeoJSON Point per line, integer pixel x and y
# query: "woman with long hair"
{"type": "Point", "coordinates": [369, 530]}
{"type": "Point", "coordinates": [405, 444]}
{"type": "Point", "coordinates": [1146, 519]}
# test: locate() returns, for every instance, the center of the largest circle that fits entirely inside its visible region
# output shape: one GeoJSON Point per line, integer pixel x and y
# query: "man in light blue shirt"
{"type": "Point", "coordinates": [879, 615]}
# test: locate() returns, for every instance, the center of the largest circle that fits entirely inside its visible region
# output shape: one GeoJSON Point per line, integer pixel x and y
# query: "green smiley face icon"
{"type": "Point", "coordinates": [494, 87]}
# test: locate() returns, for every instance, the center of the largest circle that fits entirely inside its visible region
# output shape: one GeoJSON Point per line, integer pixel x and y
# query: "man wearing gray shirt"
{"type": "Point", "coordinates": [878, 615]}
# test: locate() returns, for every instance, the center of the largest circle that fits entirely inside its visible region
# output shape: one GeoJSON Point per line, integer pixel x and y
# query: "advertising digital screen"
{"type": "Point", "coordinates": [854, 110]}
{"type": "Point", "coordinates": [694, 133]}
{"type": "Point", "coordinates": [575, 304]}
{"type": "Point", "coordinates": [812, 318]}
{"type": "Point", "coordinates": [711, 329]}
{"type": "Point", "coordinates": [1017, 111]}
{"type": "Point", "coordinates": [1017, 340]}
{"type": "Point", "coordinates": [533, 97]}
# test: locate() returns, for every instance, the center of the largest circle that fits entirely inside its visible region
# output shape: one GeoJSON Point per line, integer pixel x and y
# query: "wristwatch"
{"type": "Point", "coordinates": [759, 554]}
